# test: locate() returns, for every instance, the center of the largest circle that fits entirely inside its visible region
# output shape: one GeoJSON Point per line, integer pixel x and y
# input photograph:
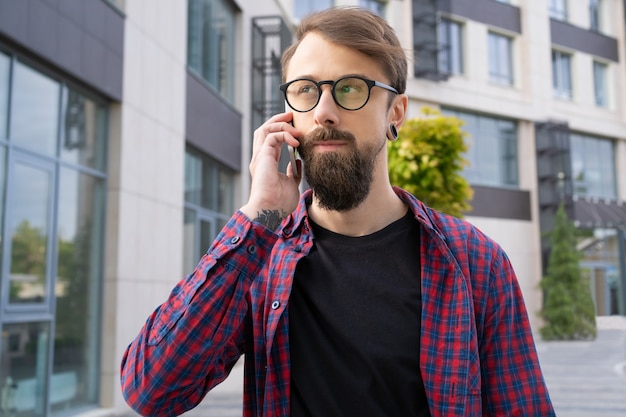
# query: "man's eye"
{"type": "Point", "coordinates": [307, 89]}
{"type": "Point", "coordinates": [350, 86]}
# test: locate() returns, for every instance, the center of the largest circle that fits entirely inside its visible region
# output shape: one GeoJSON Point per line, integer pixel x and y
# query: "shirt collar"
{"type": "Point", "coordinates": [300, 217]}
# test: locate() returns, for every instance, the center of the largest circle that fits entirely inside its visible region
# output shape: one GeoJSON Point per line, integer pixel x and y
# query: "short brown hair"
{"type": "Point", "coordinates": [359, 29]}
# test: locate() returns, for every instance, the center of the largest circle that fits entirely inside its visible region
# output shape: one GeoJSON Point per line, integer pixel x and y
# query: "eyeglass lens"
{"type": "Point", "coordinates": [350, 93]}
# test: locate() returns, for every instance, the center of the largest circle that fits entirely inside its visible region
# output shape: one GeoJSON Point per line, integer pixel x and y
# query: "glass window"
{"type": "Point", "coordinates": [562, 74]}
{"type": "Point", "coordinates": [558, 9]}
{"type": "Point", "coordinates": [595, 15]}
{"type": "Point", "coordinates": [83, 141]}
{"type": "Point", "coordinates": [593, 166]}
{"type": "Point", "coordinates": [79, 265]}
{"type": "Point", "coordinates": [600, 83]}
{"type": "Point", "coordinates": [212, 44]}
{"type": "Point", "coordinates": [5, 70]}
{"type": "Point", "coordinates": [24, 355]}
{"type": "Point", "coordinates": [35, 98]}
{"type": "Point", "coordinates": [600, 264]}
{"type": "Point", "coordinates": [377, 6]}
{"type": "Point", "coordinates": [492, 152]}
{"type": "Point", "coordinates": [209, 203]}
{"type": "Point", "coordinates": [500, 59]}
{"type": "Point", "coordinates": [29, 227]}
{"type": "Point", "coordinates": [304, 7]}
{"type": "Point", "coordinates": [54, 209]}
{"type": "Point", "coordinates": [208, 183]}
{"type": "Point", "coordinates": [450, 40]}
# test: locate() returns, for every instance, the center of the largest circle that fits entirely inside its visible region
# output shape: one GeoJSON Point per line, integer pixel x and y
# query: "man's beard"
{"type": "Point", "coordinates": [340, 180]}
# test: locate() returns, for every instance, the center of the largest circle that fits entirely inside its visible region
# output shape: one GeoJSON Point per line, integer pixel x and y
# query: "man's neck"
{"type": "Point", "coordinates": [380, 208]}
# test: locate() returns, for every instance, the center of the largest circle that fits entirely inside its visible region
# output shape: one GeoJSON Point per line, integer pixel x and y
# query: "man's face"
{"type": "Point", "coordinates": [342, 150]}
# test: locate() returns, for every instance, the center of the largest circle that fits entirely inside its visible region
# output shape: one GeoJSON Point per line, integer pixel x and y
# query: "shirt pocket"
{"type": "Point", "coordinates": [168, 314]}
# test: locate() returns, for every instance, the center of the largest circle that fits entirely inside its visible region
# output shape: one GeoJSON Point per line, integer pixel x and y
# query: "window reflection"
{"type": "Point", "coordinates": [208, 183]}
{"type": "Point", "coordinates": [600, 83]}
{"type": "Point", "coordinates": [492, 149]}
{"type": "Point", "coordinates": [500, 59]}
{"type": "Point", "coordinates": [562, 74]}
{"type": "Point", "coordinates": [80, 230]}
{"type": "Point", "coordinates": [84, 132]}
{"type": "Point", "coordinates": [29, 225]}
{"type": "Point", "coordinates": [23, 368]}
{"type": "Point", "coordinates": [450, 39]}
{"type": "Point", "coordinates": [211, 43]}
{"type": "Point", "coordinates": [600, 263]}
{"type": "Point", "coordinates": [593, 166]}
{"type": "Point", "coordinates": [35, 110]}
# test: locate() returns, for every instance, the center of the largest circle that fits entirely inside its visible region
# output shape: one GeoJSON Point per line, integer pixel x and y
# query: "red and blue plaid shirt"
{"type": "Point", "coordinates": [477, 354]}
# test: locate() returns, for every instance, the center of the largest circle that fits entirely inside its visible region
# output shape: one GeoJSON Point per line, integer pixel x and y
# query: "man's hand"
{"type": "Point", "coordinates": [273, 194]}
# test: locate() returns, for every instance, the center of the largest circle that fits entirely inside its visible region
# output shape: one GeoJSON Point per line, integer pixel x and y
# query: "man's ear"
{"type": "Point", "coordinates": [398, 109]}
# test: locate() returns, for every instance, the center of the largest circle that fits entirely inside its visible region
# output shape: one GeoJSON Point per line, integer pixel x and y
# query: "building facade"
{"type": "Point", "coordinates": [125, 136]}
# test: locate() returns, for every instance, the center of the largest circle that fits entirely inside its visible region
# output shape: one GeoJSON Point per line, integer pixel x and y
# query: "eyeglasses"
{"type": "Point", "coordinates": [350, 93]}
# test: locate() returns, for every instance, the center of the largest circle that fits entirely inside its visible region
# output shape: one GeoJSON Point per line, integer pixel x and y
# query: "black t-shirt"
{"type": "Point", "coordinates": [354, 325]}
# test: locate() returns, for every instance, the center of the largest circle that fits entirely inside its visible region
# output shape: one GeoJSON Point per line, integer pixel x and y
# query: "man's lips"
{"type": "Point", "coordinates": [327, 145]}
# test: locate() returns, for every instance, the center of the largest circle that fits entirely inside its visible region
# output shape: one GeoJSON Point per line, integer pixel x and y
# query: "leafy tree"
{"type": "Point", "coordinates": [28, 257]}
{"type": "Point", "coordinates": [568, 308]}
{"type": "Point", "coordinates": [427, 161]}
{"type": "Point", "coordinates": [29, 250]}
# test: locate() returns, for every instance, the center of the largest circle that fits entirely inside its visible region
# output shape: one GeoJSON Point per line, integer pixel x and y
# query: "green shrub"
{"type": "Point", "coordinates": [427, 160]}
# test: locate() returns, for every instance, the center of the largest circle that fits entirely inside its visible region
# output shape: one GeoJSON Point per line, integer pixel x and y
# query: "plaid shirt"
{"type": "Point", "coordinates": [477, 355]}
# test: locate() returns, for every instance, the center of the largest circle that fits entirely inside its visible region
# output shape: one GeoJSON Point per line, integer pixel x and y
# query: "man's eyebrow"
{"type": "Point", "coordinates": [314, 78]}
{"type": "Point", "coordinates": [299, 77]}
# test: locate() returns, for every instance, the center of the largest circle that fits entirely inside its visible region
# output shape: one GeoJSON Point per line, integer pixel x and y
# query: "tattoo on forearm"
{"type": "Point", "coordinates": [270, 218]}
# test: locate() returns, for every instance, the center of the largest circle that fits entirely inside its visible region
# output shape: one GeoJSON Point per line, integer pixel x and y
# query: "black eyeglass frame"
{"type": "Point", "coordinates": [370, 84]}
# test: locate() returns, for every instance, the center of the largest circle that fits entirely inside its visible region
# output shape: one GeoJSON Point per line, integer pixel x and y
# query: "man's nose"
{"type": "Point", "coordinates": [326, 111]}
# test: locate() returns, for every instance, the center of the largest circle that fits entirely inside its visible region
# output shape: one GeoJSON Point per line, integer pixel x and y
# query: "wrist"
{"type": "Point", "coordinates": [268, 217]}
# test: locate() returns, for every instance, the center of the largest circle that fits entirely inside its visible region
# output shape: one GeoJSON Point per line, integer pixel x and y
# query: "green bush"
{"type": "Point", "coordinates": [427, 160]}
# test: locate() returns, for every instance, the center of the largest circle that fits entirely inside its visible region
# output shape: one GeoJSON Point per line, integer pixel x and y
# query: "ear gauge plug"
{"type": "Point", "coordinates": [392, 133]}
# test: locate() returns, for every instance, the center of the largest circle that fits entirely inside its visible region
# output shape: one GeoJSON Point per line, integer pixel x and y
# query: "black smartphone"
{"type": "Point", "coordinates": [292, 152]}
{"type": "Point", "coordinates": [292, 158]}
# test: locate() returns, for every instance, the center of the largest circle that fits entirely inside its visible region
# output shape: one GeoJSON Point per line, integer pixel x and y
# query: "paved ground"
{"type": "Point", "coordinates": [584, 378]}
{"type": "Point", "coordinates": [588, 378]}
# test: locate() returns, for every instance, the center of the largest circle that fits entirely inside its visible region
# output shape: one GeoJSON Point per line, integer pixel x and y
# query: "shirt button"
{"type": "Point", "coordinates": [234, 240]}
{"type": "Point", "coordinates": [251, 249]}
{"type": "Point", "coordinates": [275, 305]}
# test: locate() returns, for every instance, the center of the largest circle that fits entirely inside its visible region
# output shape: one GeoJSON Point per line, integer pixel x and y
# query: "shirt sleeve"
{"type": "Point", "coordinates": [191, 341]}
{"type": "Point", "coordinates": [512, 381]}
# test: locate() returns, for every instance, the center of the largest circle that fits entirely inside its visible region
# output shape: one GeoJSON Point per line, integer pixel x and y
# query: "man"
{"type": "Point", "coordinates": [353, 299]}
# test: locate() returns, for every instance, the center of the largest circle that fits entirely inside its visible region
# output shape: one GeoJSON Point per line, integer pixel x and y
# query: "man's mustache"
{"type": "Point", "coordinates": [324, 134]}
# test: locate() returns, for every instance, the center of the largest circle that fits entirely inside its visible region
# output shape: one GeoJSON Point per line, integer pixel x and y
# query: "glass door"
{"type": "Point", "coordinates": [28, 251]}
{"type": "Point", "coordinates": [27, 287]}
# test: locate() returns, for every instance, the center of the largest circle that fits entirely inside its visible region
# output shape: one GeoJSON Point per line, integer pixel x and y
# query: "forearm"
{"type": "Point", "coordinates": [190, 342]}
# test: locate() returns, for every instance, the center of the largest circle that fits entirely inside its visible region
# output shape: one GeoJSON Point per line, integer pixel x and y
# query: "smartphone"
{"type": "Point", "coordinates": [292, 151]}
{"type": "Point", "coordinates": [292, 158]}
